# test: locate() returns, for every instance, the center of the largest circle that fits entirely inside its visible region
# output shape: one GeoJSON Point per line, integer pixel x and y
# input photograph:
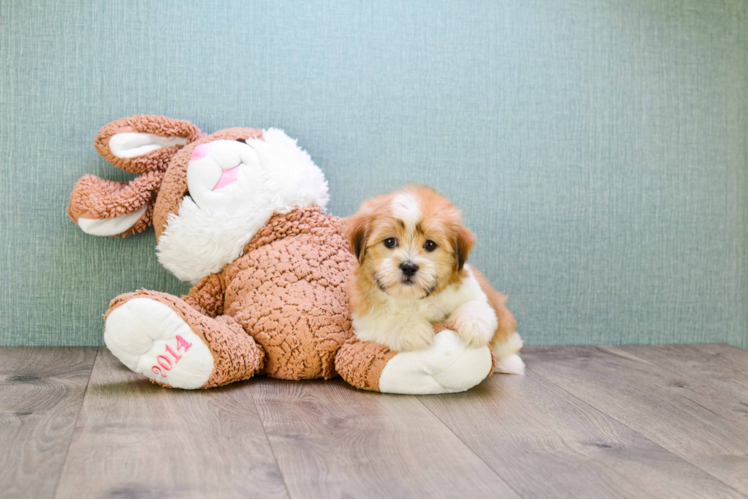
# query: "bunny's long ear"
{"type": "Point", "coordinates": [138, 144]}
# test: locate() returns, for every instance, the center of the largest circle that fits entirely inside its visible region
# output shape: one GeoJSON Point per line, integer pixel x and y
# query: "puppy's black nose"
{"type": "Point", "coordinates": [409, 268]}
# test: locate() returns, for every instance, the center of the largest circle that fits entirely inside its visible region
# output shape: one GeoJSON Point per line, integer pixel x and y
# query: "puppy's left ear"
{"type": "Point", "coordinates": [464, 241]}
{"type": "Point", "coordinates": [356, 230]}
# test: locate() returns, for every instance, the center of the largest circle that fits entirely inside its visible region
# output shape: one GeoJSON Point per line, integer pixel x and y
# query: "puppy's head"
{"type": "Point", "coordinates": [409, 244]}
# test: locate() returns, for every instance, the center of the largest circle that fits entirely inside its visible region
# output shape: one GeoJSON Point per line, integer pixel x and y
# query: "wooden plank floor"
{"type": "Point", "coordinates": [633, 421]}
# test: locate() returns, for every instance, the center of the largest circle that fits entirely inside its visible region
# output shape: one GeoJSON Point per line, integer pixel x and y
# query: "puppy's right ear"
{"type": "Point", "coordinates": [138, 144]}
{"type": "Point", "coordinates": [464, 241]}
{"type": "Point", "coordinates": [356, 230]}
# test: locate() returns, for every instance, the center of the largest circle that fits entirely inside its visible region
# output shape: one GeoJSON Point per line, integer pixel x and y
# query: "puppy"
{"type": "Point", "coordinates": [411, 248]}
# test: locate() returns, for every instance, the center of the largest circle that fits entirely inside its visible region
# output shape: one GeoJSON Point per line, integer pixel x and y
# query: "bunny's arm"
{"type": "Point", "coordinates": [207, 296]}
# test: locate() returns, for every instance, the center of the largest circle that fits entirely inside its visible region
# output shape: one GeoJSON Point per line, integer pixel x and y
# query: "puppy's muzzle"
{"type": "Point", "coordinates": [409, 268]}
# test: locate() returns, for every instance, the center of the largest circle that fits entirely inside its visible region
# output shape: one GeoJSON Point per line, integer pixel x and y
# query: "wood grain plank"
{"type": "Point", "coordinates": [136, 439]}
{"type": "Point", "coordinates": [41, 392]}
{"type": "Point", "coordinates": [720, 366]}
{"type": "Point", "coordinates": [523, 425]}
{"type": "Point", "coordinates": [685, 417]}
{"type": "Point", "coordinates": [331, 440]}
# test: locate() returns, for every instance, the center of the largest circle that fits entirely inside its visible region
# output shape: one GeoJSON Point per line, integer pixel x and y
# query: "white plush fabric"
{"type": "Point", "coordinates": [132, 144]}
{"type": "Point", "coordinates": [447, 365]}
{"type": "Point", "coordinates": [212, 227]}
{"type": "Point", "coordinates": [138, 332]}
{"type": "Point", "coordinates": [111, 227]}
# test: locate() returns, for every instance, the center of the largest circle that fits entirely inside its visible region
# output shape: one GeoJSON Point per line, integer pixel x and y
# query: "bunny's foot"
{"type": "Point", "coordinates": [449, 364]}
{"type": "Point", "coordinates": [162, 337]}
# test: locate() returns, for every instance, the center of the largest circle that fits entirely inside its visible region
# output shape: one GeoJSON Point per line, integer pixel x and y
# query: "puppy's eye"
{"type": "Point", "coordinates": [429, 246]}
{"type": "Point", "coordinates": [390, 242]}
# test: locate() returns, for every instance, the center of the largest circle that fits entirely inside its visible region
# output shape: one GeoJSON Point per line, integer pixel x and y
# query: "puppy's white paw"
{"type": "Point", "coordinates": [414, 335]}
{"type": "Point", "coordinates": [475, 322]}
{"type": "Point", "coordinates": [151, 339]}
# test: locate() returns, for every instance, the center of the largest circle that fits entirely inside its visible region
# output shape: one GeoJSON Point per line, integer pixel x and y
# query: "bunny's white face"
{"type": "Point", "coordinates": [234, 188]}
{"type": "Point", "coordinates": [223, 174]}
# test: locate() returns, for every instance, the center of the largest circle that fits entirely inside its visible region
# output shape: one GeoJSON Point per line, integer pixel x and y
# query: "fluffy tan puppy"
{"type": "Point", "coordinates": [412, 249]}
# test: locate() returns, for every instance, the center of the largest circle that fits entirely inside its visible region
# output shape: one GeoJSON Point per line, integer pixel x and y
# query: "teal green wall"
{"type": "Point", "coordinates": [599, 149]}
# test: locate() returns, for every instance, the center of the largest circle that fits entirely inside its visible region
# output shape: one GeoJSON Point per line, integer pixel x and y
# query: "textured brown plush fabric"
{"type": "Point", "coordinates": [174, 186]}
{"type": "Point", "coordinates": [236, 356]}
{"type": "Point", "coordinates": [361, 363]}
{"type": "Point", "coordinates": [287, 291]}
{"type": "Point", "coordinates": [95, 198]}
{"type": "Point", "coordinates": [281, 309]}
{"type": "Point", "coordinates": [207, 295]}
{"type": "Point", "coordinates": [493, 361]}
{"type": "Point", "coordinates": [145, 124]}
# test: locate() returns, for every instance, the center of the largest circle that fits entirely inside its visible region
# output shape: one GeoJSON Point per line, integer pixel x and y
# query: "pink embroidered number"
{"type": "Point", "coordinates": [177, 357]}
{"type": "Point", "coordinates": [164, 362]}
{"type": "Point", "coordinates": [182, 343]}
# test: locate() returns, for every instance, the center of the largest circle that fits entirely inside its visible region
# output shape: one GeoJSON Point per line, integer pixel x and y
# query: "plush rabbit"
{"type": "Point", "coordinates": [240, 214]}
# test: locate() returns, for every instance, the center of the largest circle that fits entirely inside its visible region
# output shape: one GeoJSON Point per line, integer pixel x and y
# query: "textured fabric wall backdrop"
{"type": "Point", "coordinates": [598, 149]}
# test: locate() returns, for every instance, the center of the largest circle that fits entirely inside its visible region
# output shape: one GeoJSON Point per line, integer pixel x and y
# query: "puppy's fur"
{"type": "Point", "coordinates": [411, 248]}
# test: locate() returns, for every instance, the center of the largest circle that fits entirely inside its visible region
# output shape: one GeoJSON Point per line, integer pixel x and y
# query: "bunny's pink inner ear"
{"type": "Point", "coordinates": [144, 143]}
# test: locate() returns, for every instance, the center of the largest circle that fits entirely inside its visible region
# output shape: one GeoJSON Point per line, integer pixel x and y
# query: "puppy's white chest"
{"type": "Point", "coordinates": [431, 309]}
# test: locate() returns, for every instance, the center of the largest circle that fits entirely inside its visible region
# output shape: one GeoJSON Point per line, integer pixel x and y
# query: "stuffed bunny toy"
{"type": "Point", "coordinates": [240, 214]}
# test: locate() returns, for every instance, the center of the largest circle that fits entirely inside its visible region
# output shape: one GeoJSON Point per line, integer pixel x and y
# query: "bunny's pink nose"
{"type": "Point", "coordinates": [201, 151]}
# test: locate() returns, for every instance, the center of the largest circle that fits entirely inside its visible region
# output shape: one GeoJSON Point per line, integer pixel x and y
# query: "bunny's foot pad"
{"type": "Point", "coordinates": [150, 338]}
{"type": "Point", "coordinates": [447, 365]}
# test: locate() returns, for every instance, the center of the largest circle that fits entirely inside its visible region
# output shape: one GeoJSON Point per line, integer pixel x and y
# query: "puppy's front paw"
{"type": "Point", "coordinates": [413, 336]}
{"type": "Point", "coordinates": [475, 322]}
